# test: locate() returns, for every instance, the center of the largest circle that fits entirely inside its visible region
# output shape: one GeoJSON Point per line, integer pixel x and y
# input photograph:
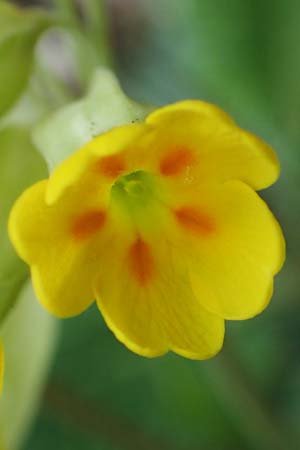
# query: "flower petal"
{"type": "Point", "coordinates": [204, 109]}
{"type": "Point", "coordinates": [220, 149]}
{"type": "Point", "coordinates": [107, 144]}
{"type": "Point", "coordinates": [147, 301]}
{"type": "Point", "coordinates": [234, 246]}
{"type": "Point", "coordinates": [61, 244]}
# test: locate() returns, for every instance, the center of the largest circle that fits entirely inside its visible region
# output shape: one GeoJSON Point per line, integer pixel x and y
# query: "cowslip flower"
{"type": "Point", "coordinates": [160, 222]}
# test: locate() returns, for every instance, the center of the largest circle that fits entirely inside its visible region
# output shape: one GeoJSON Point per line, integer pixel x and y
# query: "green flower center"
{"type": "Point", "coordinates": [135, 190]}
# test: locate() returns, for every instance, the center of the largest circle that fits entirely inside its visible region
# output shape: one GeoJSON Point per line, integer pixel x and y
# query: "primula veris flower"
{"type": "Point", "coordinates": [160, 222]}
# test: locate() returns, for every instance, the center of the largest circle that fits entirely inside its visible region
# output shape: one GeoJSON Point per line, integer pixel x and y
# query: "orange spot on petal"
{"type": "Point", "coordinates": [195, 221]}
{"type": "Point", "coordinates": [141, 261]}
{"type": "Point", "coordinates": [176, 161]}
{"type": "Point", "coordinates": [87, 224]}
{"type": "Point", "coordinates": [111, 166]}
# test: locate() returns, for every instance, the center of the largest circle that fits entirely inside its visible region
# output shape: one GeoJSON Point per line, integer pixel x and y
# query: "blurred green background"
{"type": "Point", "coordinates": [244, 56]}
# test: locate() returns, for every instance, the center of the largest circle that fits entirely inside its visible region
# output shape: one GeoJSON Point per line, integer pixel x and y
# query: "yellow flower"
{"type": "Point", "coordinates": [1, 365]}
{"type": "Point", "coordinates": [160, 222]}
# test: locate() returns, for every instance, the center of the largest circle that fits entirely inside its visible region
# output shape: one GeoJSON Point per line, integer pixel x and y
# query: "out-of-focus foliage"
{"type": "Point", "coordinates": [20, 166]}
{"type": "Point", "coordinates": [18, 34]}
{"type": "Point", "coordinates": [29, 335]}
{"type": "Point", "coordinates": [245, 56]}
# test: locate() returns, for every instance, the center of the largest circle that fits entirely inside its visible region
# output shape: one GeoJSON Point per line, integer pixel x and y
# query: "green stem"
{"type": "Point", "coordinates": [67, 11]}
{"type": "Point", "coordinates": [97, 29]}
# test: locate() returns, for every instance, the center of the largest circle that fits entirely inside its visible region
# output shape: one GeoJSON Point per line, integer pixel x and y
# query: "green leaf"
{"type": "Point", "coordinates": [20, 166]}
{"type": "Point", "coordinates": [105, 106]}
{"type": "Point", "coordinates": [29, 339]}
{"type": "Point", "coordinates": [19, 32]}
